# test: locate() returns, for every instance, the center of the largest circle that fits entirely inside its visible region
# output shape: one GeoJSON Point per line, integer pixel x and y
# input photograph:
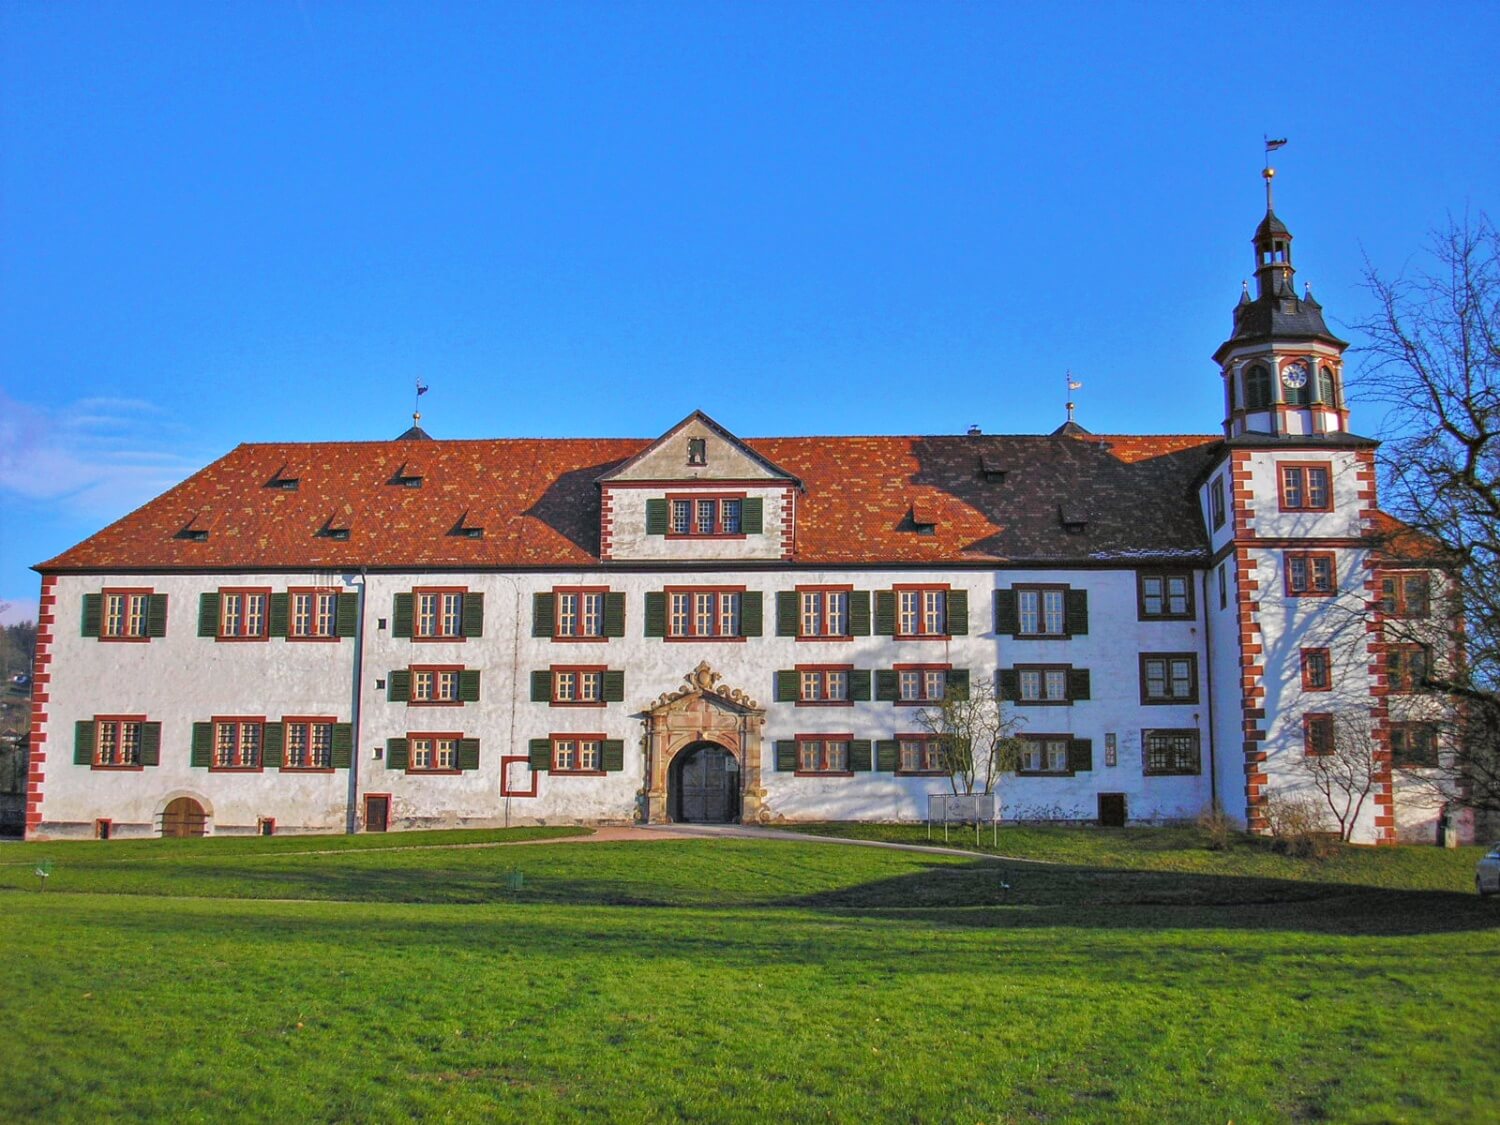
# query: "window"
{"type": "Point", "coordinates": [921, 753]}
{"type": "Point", "coordinates": [823, 685]}
{"type": "Point", "coordinates": [1406, 594]}
{"type": "Point", "coordinates": [237, 743]}
{"type": "Point", "coordinates": [1044, 753]}
{"type": "Point", "coordinates": [313, 615]}
{"type": "Point", "coordinates": [432, 753]}
{"type": "Point", "coordinates": [1414, 744]}
{"type": "Point", "coordinates": [1317, 734]}
{"type": "Point", "coordinates": [1326, 391]}
{"type": "Point", "coordinates": [824, 754]}
{"type": "Point", "coordinates": [1304, 488]}
{"type": "Point", "coordinates": [1294, 394]}
{"type": "Point", "coordinates": [1041, 611]}
{"type": "Point", "coordinates": [1164, 596]}
{"type": "Point", "coordinates": [1042, 684]}
{"type": "Point", "coordinates": [1216, 502]}
{"type": "Point", "coordinates": [243, 615]}
{"type": "Point", "coordinates": [697, 451]}
{"type": "Point", "coordinates": [921, 683]}
{"type": "Point", "coordinates": [434, 685]}
{"type": "Point", "coordinates": [921, 611]}
{"type": "Point", "coordinates": [581, 686]}
{"type": "Point", "coordinates": [1406, 669]}
{"type": "Point", "coordinates": [578, 754]}
{"type": "Point", "coordinates": [125, 614]}
{"type": "Point", "coordinates": [308, 744]}
{"type": "Point", "coordinates": [703, 613]}
{"type": "Point", "coordinates": [1169, 677]}
{"type": "Point", "coordinates": [117, 742]}
{"type": "Point", "coordinates": [822, 613]}
{"type": "Point", "coordinates": [579, 614]}
{"type": "Point", "coordinates": [702, 516]}
{"type": "Point", "coordinates": [1223, 587]}
{"type": "Point", "coordinates": [1166, 752]}
{"type": "Point", "coordinates": [437, 614]}
{"type": "Point", "coordinates": [1309, 573]}
{"type": "Point", "coordinates": [1257, 388]}
{"type": "Point", "coordinates": [1317, 675]}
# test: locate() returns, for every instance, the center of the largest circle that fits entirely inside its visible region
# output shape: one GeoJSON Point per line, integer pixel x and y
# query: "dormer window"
{"type": "Point", "coordinates": [335, 527]}
{"type": "Point", "coordinates": [196, 529]}
{"type": "Point", "coordinates": [700, 515]}
{"type": "Point", "coordinates": [923, 519]}
{"type": "Point", "coordinates": [697, 451]}
{"type": "Point", "coordinates": [286, 478]}
{"type": "Point", "coordinates": [992, 470]}
{"type": "Point", "coordinates": [1073, 521]}
{"type": "Point", "coordinates": [408, 476]}
{"type": "Point", "coordinates": [470, 525]}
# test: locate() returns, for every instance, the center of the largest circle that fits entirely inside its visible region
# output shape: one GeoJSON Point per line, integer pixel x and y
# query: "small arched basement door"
{"type": "Point", "coordinates": [183, 817]}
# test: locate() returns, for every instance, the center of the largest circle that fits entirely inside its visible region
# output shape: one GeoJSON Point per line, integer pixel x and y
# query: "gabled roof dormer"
{"type": "Point", "coordinates": [695, 494]}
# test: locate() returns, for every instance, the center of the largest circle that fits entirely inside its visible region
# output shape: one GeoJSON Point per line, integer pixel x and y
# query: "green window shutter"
{"type": "Point", "coordinates": [399, 686]}
{"type": "Point", "coordinates": [208, 614]}
{"type": "Point", "coordinates": [1010, 685]}
{"type": "Point", "coordinates": [752, 515]}
{"type": "Point", "coordinates": [958, 613]}
{"type": "Point", "coordinates": [83, 742]}
{"type": "Point", "coordinates": [468, 753]}
{"type": "Point", "coordinates": [656, 613]}
{"type": "Point", "coordinates": [1076, 612]}
{"type": "Point", "coordinates": [656, 517]}
{"type": "Point", "coordinates": [1007, 615]}
{"type": "Point", "coordinates": [1078, 683]}
{"type": "Point", "coordinates": [272, 746]}
{"type": "Point", "coordinates": [614, 687]}
{"type": "Point", "coordinates": [786, 755]}
{"type": "Point", "coordinates": [885, 613]}
{"type": "Point", "coordinates": [150, 744]}
{"type": "Point", "coordinates": [614, 615]}
{"type": "Point", "coordinates": [346, 615]}
{"type": "Point", "coordinates": [401, 616]}
{"type": "Point", "coordinates": [887, 755]}
{"type": "Point", "coordinates": [397, 753]}
{"type": "Point", "coordinates": [343, 745]}
{"type": "Point", "coordinates": [1080, 754]}
{"type": "Point", "coordinates": [541, 685]}
{"type": "Point", "coordinates": [859, 683]}
{"type": "Point", "coordinates": [280, 610]}
{"type": "Point", "coordinates": [203, 745]}
{"type": "Point", "coordinates": [613, 755]}
{"type": "Point", "coordinates": [787, 613]}
{"type": "Point", "coordinates": [750, 613]}
{"type": "Point", "coordinates": [543, 610]}
{"type": "Point", "coordinates": [788, 686]}
{"type": "Point", "coordinates": [473, 615]}
{"type": "Point", "coordinates": [156, 616]}
{"type": "Point", "coordinates": [859, 755]}
{"type": "Point", "coordinates": [859, 613]}
{"type": "Point", "coordinates": [887, 685]}
{"type": "Point", "coordinates": [956, 683]}
{"type": "Point", "coordinates": [92, 613]}
{"type": "Point", "coordinates": [540, 752]}
{"type": "Point", "coordinates": [468, 685]}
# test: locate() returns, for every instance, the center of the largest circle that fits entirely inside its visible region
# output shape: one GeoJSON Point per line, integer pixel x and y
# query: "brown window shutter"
{"type": "Point", "coordinates": [1078, 683]}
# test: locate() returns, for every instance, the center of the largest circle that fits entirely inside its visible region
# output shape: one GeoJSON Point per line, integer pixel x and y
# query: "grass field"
{"type": "Point", "coordinates": [1136, 977]}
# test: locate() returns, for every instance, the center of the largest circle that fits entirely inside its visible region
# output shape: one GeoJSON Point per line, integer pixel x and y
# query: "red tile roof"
{"type": "Point", "coordinates": [538, 503]}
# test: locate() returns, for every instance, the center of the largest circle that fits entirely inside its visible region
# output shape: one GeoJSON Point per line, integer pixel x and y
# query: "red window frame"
{"type": "Point", "coordinates": [315, 592]}
{"type": "Point", "coordinates": [822, 740]}
{"type": "Point", "coordinates": [1318, 734]}
{"type": "Point", "coordinates": [1299, 497]}
{"type": "Point", "coordinates": [718, 592]}
{"type": "Point", "coordinates": [1147, 699]}
{"type": "Point", "coordinates": [413, 737]}
{"type": "Point", "coordinates": [1403, 663]}
{"type": "Point", "coordinates": [265, 617]}
{"type": "Point", "coordinates": [118, 721]}
{"type": "Point", "coordinates": [924, 699]}
{"type": "Point", "coordinates": [1042, 738]}
{"type": "Point", "coordinates": [436, 670]}
{"type": "Point", "coordinates": [928, 740]}
{"type": "Point", "coordinates": [416, 613]}
{"type": "Point", "coordinates": [579, 670]}
{"type": "Point", "coordinates": [822, 593]}
{"type": "Point", "coordinates": [693, 499]}
{"type": "Point", "coordinates": [239, 721]}
{"type": "Point", "coordinates": [1045, 700]}
{"type": "Point", "coordinates": [308, 721]}
{"type": "Point", "coordinates": [1406, 757]}
{"type": "Point", "coordinates": [822, 671]}
{"type": "Point", "coordinates": [1311, 658]}
{"type": "Point", "coordinates": [1041, 590]}
{"type": "Point", "coordinates": [580, 738]}
{"type": "Point", "coordinates": [1310, 559]}
{"type": "Point", "coordinates": [1397, 601]}
{"type": "Point", "coordinates": [131, 594]}
{"type": "Point", "coordinates": [1216, 502]}
{"type": "Point", "coordinates": [922, 633]}
{"type": "Point", "coordinates": [558, 593]}
{"type": "Point", "coordinates": [1165, 577]}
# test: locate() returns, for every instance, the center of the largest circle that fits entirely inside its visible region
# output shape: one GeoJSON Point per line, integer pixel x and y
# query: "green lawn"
{"type": "Point", "coordinates": [1137, 978]}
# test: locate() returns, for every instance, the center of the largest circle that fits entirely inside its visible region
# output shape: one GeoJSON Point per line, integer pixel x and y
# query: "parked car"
{"type": "Point", "coordinates": [1487, 874]}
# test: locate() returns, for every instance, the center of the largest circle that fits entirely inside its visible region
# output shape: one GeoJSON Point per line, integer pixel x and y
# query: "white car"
{"type": "Point", "coordinates": [1487, 874]}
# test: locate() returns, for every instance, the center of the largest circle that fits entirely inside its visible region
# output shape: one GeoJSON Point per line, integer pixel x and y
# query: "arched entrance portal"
{"type": "Point", "coordinates": [183, 817]}
{"type": "Point", "coordinates": [703, 785]}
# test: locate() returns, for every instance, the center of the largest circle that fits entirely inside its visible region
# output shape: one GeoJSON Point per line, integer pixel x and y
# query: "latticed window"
{"type": "Point", "coordinates": [822, 755]}
{"type": "Point", "coordinates": [309, 745]}
{"type": "Point", "coordinates": [313, 613]}
{"type": "Point", "coordinates": [1318, 734]}
{"type": "Point", "coordinates": [117, 742]}
{"type": "Point", "coordinates": [1406, 594]}
{"type": "Point", "coordinates": [237, 744]}
{"type": "Point", "coordinates": [433, 752]}
{"type": "Point", "coordinates": [124, 615]}
{"type": "Point", "coordinates": [1166, 595]}
{"type": "Point", "coordinates": [1041, 613]}
{"type": "Point", "coordinates": [242, 613]}
{"type": "Point", "coordinates": [1414, 744]}
{"type": "Point", "coordinates": [922, 613]}
{"type": "Point", "coordinates": [825, 613]}
{"type": "Point", "coordinates": [706, 516]}
{"type": "Point", "coordinates": [1170, 752]}
{"type": "Point", "coordinates": [1309, 573]}
{"type": "Point", "coordinates": [1406, 668]}
{"type": "Point", "coordinates": [1169, 678]}
{"type": "Point", "coordinates": [922, 685]}
{"type": "Point", "coordinates": [577, 685]}
{"type": "Point", "coordinates": [824, 685]}
{"type": "Point", "coordinates": [1044, 754]}
{"type": "Point", "coordinates": [1043, 685]}
{"type": "Point", "coordinates": [439, 614]}
{"type": "Point", "coordinates": [1304, 488]}
{"type": "Point", "coordinates": [577, 755]}
{"type": "Point", "coordinates": [434, 685]}
{"type": "Point", "coordinates": [921, 755]}
{"type": "Point", "coordinates": [704, 613]}
{"type": "Point", "coordinates": [1317, 674]}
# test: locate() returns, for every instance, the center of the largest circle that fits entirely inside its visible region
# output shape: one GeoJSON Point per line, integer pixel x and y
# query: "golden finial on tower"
{"type": "Point", "coordinates": [1269, 173]}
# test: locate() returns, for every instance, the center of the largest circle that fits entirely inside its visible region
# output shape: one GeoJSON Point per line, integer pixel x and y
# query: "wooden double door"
{"type": "Point", "coordinates": [183, 817]}
{"type": "Point", "coordinates": [705, 786]}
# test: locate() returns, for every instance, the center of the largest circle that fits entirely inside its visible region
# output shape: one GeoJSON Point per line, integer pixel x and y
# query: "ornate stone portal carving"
{"type": "Point", "coordinates": [704, 710]}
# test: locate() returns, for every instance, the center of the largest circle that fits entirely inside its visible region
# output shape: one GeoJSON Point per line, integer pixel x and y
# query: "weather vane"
{"type": "Point", "coordinates": [1272, 144]}
{"type": "Point", "coordinates": [416, 404]}
{"type": "Point", "coordinates": [1073, 385]}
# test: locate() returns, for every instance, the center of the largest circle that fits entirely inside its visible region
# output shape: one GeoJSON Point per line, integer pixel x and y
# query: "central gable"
{"type": "Point", "coordinates": [698, 449]}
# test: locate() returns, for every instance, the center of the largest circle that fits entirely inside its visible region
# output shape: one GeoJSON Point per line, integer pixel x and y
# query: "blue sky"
{"type": "Point", "coordinates": [264, 221]}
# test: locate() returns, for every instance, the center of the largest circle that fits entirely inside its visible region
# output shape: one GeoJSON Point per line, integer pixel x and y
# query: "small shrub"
{"type": "Point", "coordinates": [1296, 821]}
{"type": "Point", "coordinates": [1217, 828]}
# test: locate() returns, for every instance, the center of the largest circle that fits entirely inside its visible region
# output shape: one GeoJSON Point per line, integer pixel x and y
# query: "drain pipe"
{"type": "Point", "coordinates": [1208, 672]}
{"type": "Point", "coordinates": [351, 816]}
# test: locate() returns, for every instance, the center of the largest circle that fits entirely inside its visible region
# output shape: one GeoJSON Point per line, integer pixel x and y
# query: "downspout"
{"type": "Point", "coordinates": [351, 816]}
{"type": "Point", "coordinates": [1208, 671]}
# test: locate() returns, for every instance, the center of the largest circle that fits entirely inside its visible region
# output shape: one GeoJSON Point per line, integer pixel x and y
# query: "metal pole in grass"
{"type": "Point", "coordinates": [43, 869]}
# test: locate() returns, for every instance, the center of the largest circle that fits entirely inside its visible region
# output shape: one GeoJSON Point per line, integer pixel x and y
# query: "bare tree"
{"type": "Point", "coordinates": [1433, 359]}
{"type": "Point", "coordinates": [1343, 766]}
{"type": "Point", "coordinates": [976, 740]}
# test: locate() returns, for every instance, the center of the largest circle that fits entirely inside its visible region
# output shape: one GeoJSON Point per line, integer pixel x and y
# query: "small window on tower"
{"type": "Point", "coordinates": [1257, 388]}
{"type": "Point", "coordinates": [697, 451]}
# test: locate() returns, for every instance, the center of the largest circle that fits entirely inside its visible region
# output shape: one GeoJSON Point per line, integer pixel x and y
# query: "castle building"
{"type": "Point", "coordinates": [363, 636]}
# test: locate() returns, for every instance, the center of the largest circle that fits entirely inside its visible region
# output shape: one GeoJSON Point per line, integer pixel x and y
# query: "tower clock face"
{"type": "Point", "coordinates": [1295, 375]}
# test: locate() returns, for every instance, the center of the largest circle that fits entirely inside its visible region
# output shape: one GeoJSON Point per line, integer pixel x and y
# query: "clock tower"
{"type": "Point", "coordinates": [1282, 368]}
